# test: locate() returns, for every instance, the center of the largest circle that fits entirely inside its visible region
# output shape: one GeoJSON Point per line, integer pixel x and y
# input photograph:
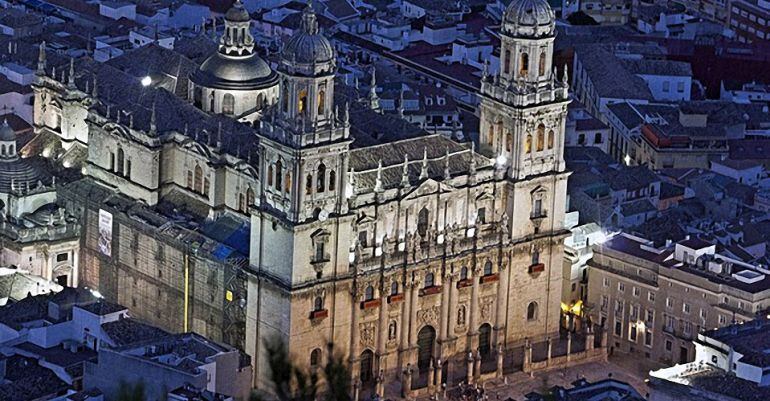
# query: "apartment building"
{"type": "Point", "coordinates": [654, 300]}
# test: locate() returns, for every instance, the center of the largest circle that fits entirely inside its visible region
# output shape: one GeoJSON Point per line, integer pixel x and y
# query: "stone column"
{"type": "Point", "coordinates": [381, 383]}
{"type": "Point", "coordinates": [356, 389]}
{"type": "Point", "coordinates": [502, 292]}
{"type": "Point", "coordinates": [408, 387]}
{"type": "Point", "coordinates": [469, 372]}
{"type": "Point", "coordinates": [383, 327]}
{"type": "Point", "coordinates": [549, 343]}
{"type": "Point", "coordinates": [431, 375]}
{"type": "Point", "coordinates": [569, 345]}
{"type": "Point", "coordinates": [452, 309]}
{"type": "Point", "coordinates": [500, 360]}
{"type": "Point", "coordinates": [413, 314]}
{"type": "Point", "coordinates": [447, 284]}
{"type": "Point", "coordinates": [439, 373]}
{"type": "Point", "coordinates": [474, 318]}
{"type": "Point", "coordinates": [477, 366]}
{"type": "Point", "coordinates": [354, 334]}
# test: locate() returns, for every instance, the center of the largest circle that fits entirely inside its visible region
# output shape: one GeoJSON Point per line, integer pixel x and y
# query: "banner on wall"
{"type": "Point", "coordinates": [105, 232]}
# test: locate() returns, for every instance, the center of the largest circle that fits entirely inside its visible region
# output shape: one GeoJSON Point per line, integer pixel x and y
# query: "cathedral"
{"type": "Point", "coordinates": [414, 255]}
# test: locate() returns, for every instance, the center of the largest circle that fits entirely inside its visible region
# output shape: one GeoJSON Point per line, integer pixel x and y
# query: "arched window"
{"type": "Point", "coordinates": [540, 137]}
{"type": "Point", "coordinates": [541, 64]}
{"type": "Point", "coordinates": [322, 101]}
{"type": "Point", "coordinates": [507, 61]}
{"type": "Point", "coordinates": [270, 175]}
{"type": "Point", "coordinates": [535, 257]}
{"type": "Point", "coordinates": [394, 288]}
{"type": "Point", "coordinates": [332, 180]}
{"type": "Point", "coordinates": [249, 197]}
{"type": "Point", "coordinates": [485, 339]}
{"type": "Point", "coordinates": [463, 273]}
{"type": "Point", "coordinates": [228, 104]}
{"type": "Point", "coordinates": [550, 139]}
{"type": "Point", "coordinates": [321, 178]}
{"type": "Point", "coordinates": [121, 160]}
{"type": "Point", "coordinates": [488, 268]}
{"type": "Point", "coordinates": [367, 364]}
{"type": "Point", "coordinates": [369, 293]}
{"type": "Point", "coordinates": [315, 357]}
{"type": "Point", "coordinates": [309, 184]}
{"type": "Point", "coordinates": [392, 330]}
{"type": "Point", "coordinates": [189, 179]}
{"type": "Point", "coordinates": [211, 102]}
{"type": "Point", "coordinates": [112, 164]}
{"type": "Point", "coordinates": [198, 179]}
{"type": "Point", "coordinates": [260, 101]}
{"type": "Point", "coordinates": [285, 99]}
{"type": "Point", "coordinates": [278, 175]}
{"type": "Point", "coordinates": [598, 137]}
{"type": "Point", "coordinates": [532, 311]}
{"type": "Point", "coordinates": [241, 202]}
{"type": "Point", "coordinates": [524, 65]}
{"type": "Point", "coordinates": [429, 280]}
{"type": "Point", "coordinates": [528, 144]}
{"type": "Point", "coordinates": [205, 186]}
{"type": "Point", "coordinates": [509, 143]}
{"type": "Point", "coordinates": [287, 182]}
{"type": "Point", "coordinates": [318, 304]}
{"type": "Point", "coordinates": [302, 102]}
{"type": "Point", "coordinates": [422, 222]}
{"type": "Point", "coordinates": [127, 173]}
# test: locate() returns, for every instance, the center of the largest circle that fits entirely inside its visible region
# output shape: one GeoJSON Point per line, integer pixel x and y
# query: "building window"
{"type": "Point", "coordinates": [429, 280]}
{"type": "Point", "coordinates": [321, 178]}
{"type": "Point", "coordinates": [287, 182]}
{"type": "Point", "coordinates": [537, 208]}
{"type": "Point", "coordinates": [270, 175]}
{"type": "Point", "coordinates": [121, 160]}
{"type": "Point", "coordinates": [302, 102]}
{"type": "Point", "coordinates": [524, 66]}
{"type": "Point", "coordinates": [618, 328]}
{"type": "Point", "coordinates": [621, 287]}
{"type": "Point", "coordinates": [198, 179]}
{"type": "Point", "coordinates": [318, 304]}
{"type": "Point", "coordinates": [392, 330]}
{"type": "Point", "coordinates": [332, 180]}
{"type": "Point", "coordinates": [606, 282]}
{"type": "Point", "coordinates": [686, 308]}
{"type": "Point", "coordinates": [249, 197]}
{"type": "Point", "coordinates": [598, 137]}
{"type": "Point", "coordinates": [320, 251]}
{"type": "Point", "coordinates": [481, 216]}
{"type": "Point", "coordinates": [532, 311]}
{"type": "Point", "coordinates": [369, 293]}
{"type": "Point", "coordinates": [309, 185]}
{"type": "Point", "coordinates": [541, 64]}
{"type": "Point", "coordinates": [535, 257]}
{"type": "Point", "coordinates": [363, 238]}
{"type": "Point", "coordinates": [651, 296]}
{"type": "Point", "coordinates": [666, 86]}
{"type": "Point", "coordinates": [394, 288]}
{"type": "Point", "coordinates": [636, 291]}
{"type": "Point", "coordinates": [528, 144]}
{"type": "Point", "coordinates": [669, 345]}
{"type": "Point", "coordinates": [322, 101]}
{"type": "Point", "coordinates": [581, 139]}
{"type": "Point", "coordinates": [540, 137]}
{"type": "Point", "coordinates": [632, 333]}
{"type": "Point", "coordinates": [62, 257]}
{"type": "Point", "coordinates": [550, 139]}
{"type": "Point", "coordinates": [285, 99]}
{"type": "Point", "coordinates": [648, 338]}
{"type": "Point", "coordinates": [488, 268]}
{"type": "Point", "coordinates": [422, 222]}
{"type": "Point", "coordinates": [507, 62]}
{"type": "Point", "coordinates": [463, 273]}
{"type": "Point", "coordinates": [315, 357]}
{"type": "Point", "coordinates": [278, 175]}
{"type": "Point", "coordinates": [228, 104]}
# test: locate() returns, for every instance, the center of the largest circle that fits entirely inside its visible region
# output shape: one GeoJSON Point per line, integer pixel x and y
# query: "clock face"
{"type": "Point", "coordinates": [323, 215]}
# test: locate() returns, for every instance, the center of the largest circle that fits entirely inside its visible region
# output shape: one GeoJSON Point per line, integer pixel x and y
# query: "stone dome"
{"type": "Point", "coordinates": [7, 134]}
{"type": "Point", "coordinates": [529, 18]}
{"type": "Point", "coordinates": [308, 46]}
{"type": "Point", "coordinates": [237, 13]}
{"type": "Point", "coordinates": [221, 71]}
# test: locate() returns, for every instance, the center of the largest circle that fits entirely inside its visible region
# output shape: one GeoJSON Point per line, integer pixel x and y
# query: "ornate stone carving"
{"type": "Point", "coordinates": [368, 332]}
{"type": "Point", "coordinates": [429, 315]}
{"type": "Point", "coordinates": [486, 306]}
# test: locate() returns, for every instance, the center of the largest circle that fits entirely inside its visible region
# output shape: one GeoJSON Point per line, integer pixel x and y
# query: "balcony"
{"type": "Point", "coordinates": [489, 278]}
{"type": "Point", "coordinates": [370, 304]}
{"type": "Point", "coordinates": [319, 314]}
{"type": "Point", "coordinates": [395, 298]}
{"type": "Point", "coordinates": [464, 283]}
{"type": "Point", "coordinates": [430, 290]}
{"type": "Point", "coordinates": [536, 268]}
{"type": "Point", "coordinates": [538, 215]}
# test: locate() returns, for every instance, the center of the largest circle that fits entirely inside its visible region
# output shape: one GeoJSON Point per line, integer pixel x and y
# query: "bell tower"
{"type": "Point", "coordinates": [306, 137]}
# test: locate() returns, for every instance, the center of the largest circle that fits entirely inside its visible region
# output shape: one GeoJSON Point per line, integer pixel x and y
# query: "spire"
{"type": "Point", "coordinates": [374, 100]}
{"type": "Point", "coordinates": [71, 78]}
{"type": "Point", "coordinates": [447, 172]}
{"type": "Point", "coordinates": [424, 170]}
{"type": "Point", "coordinates": [153, 124]}
{"type": "Point", "coordinates": [41, 59]}
{"type": "Point", "coordinates": [378, 180]}
{"type": "Point", "coordinates": [565, 78]}
{"type": "Point", "coordinates": [309, 23]}
{"type": "Point", "coordinates": [405, 172]}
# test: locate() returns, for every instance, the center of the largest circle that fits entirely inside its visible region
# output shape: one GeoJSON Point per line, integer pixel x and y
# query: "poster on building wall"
{"type": "Point", "coordinates": [105, 233]}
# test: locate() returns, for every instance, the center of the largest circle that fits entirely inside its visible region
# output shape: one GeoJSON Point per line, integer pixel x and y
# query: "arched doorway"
{"type": "Point", "coordinates": [426, 338]}
{"type": "Point", "coordinates": [367, 366]}
{"type": "Point", "coordinates": [485, 340]}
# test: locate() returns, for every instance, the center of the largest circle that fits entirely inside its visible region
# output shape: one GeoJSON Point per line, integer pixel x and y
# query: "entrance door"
{"type": "Point", "coordinates": [62, 280]}
{"type": "Point", "coordinates": [683, 355]}
{"type": "Point", "coordinates": [485, 334]}
{"type": "Point", "coordinates": [367, 362]}
{"type": "Point", "coordinates": [425, 340]}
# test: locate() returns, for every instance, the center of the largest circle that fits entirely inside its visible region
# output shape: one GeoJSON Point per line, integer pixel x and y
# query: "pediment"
{"type": "Point", "coordinates": [429, 186]}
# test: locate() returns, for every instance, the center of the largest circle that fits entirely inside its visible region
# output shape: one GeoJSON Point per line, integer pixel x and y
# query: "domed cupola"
{"type": "Point", "coordinates": [308, 52]}
{"type": "Point", "coordinates": [16, 173]}
{"type": "Point", "coordinates": [8, 149]}
{"type": "Point", "coordinates": [529, 18]}
{"type": "Point", "coordinates": [234, 80]}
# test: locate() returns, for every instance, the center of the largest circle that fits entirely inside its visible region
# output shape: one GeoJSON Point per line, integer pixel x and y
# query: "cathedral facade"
{"type": "Point", "coordinates": [408, 254]}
